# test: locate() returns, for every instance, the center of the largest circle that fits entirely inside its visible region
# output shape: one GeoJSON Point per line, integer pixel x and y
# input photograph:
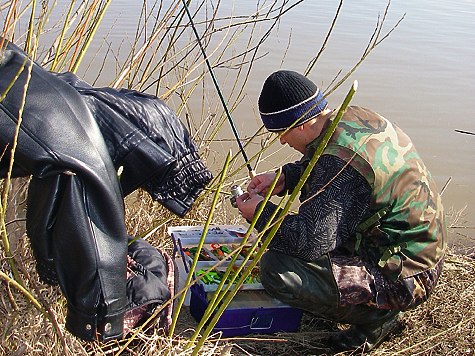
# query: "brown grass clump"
{"type": "Point", "coordinates": [445, 325]}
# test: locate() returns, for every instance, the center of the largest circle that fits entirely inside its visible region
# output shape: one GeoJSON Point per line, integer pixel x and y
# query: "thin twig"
{"type": "Point", "coordinates": [6, 244]}
{"type": "Point", "coordinates": [50, 314]}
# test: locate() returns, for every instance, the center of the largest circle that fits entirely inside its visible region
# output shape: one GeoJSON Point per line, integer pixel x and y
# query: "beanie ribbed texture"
{"type": "Point", "coordinates": [288, 97]}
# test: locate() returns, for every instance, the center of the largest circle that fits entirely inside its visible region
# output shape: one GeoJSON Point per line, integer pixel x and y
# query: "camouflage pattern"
{"type": "Point", "coordinates": [361, 284]}
{"type": "Point", "coordinates": [404, 232]}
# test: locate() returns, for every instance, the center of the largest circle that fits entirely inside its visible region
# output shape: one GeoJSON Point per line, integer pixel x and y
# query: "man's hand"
{"type": "Point", "coordinates": [247, 204]}
{"type": "Point", "coordinates": [261, 183]}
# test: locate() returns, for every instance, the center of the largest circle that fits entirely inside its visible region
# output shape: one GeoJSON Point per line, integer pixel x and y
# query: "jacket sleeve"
{"type": "Point", "coordinates": [147, 139]}
{"type": "Point", "coordinates": [335, 204]}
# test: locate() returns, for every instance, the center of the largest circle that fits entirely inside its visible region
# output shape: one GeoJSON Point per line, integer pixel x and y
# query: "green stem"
{"type": "Point", "coordinates": [201, 242]}
{"type": "Point", "coordinates": [6, 243]}
{"type": "Point", "coordinates": [276, 225]}
{"type": "Point", "coordinates": [61, 37]}
{"type": "Point", "coordinates": [319, 150]}
{"type": "Point", "coordinates": [324, 44]}
{"type": "Point", "coordinates": [219, 294]}
{"type": "Point", "coordinates": [30, 28]}
{"type": "Point", "coordinates": [27, 294]}
{"type": "Point", "coordinates": [90, 36]}
{"type": "Point", "coordinates": [236, 287]}
{"type": "Point", "coordinates": [150, 231]}
{"type": "Point", "coordinates": [158, 310]}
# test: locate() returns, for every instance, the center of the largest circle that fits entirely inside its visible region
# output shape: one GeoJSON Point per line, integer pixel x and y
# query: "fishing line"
{"type": "Point", "coordinates": [228, 114]}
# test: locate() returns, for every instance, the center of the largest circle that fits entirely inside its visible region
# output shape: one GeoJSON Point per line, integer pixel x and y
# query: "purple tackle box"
{"type": "Point", "coordinates": [252, 310]}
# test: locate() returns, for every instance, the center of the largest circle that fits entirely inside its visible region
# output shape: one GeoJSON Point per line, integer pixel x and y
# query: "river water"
{"type": "Point", "coordinates": [422, 76]}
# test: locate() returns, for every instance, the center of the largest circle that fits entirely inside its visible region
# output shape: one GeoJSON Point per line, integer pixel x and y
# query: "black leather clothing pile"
{"type": "Point", "coordinates": [72, 140]}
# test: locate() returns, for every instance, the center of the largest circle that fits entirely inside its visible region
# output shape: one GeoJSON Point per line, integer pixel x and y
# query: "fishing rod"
{"type": "Point", "coordinates": [464, 132]}
{"type": "Point", "coordinates": [228, 114]}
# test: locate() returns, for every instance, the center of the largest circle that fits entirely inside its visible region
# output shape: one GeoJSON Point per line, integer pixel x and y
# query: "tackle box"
{"type": "Point", "coordinates": [252, 310]}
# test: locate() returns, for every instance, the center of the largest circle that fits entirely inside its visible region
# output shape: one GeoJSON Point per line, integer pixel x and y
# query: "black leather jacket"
{"type": "Point", "coordinates": [71, 140]}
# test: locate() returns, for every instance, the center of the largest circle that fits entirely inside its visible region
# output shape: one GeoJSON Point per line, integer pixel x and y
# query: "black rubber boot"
{"type": "Point", "coordinates": [365, 337]}
{"type": "Point", "coordinates": [311, 286]}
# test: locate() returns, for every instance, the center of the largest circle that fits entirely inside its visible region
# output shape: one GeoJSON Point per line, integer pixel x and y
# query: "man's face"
{"type": "Point", "coordinates": [294, 138]}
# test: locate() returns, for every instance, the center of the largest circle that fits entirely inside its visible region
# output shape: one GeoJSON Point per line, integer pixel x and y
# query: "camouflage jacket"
{"type": "Point", "coordinates": [404, 232]}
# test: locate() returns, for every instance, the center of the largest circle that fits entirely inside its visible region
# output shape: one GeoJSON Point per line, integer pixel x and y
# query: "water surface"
{"type": "Point", "coordinates": [422, 77]}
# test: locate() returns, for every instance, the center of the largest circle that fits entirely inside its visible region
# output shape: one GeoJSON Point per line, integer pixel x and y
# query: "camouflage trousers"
{"type": "Point", "coordinates": [361, 283]}
{"type": "Point", "coordinates": [342, 288]}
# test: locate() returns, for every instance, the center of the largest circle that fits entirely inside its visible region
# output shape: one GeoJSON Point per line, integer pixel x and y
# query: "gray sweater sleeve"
{"type": "Point", "coordinates": [330, 215]}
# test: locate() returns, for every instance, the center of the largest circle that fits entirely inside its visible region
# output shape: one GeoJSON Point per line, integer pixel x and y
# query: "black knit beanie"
{"type": "Point", "coordinates": [288, 98]}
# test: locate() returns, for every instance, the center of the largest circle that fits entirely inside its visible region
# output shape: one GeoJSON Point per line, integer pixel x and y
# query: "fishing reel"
{"type": "Point", "coordinates": [235, 192]}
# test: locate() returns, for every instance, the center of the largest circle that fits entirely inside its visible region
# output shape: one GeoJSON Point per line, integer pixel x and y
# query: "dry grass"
{"type": "Point", "coordinates": [445, 325]}
{"type": "Point", "coordinates": [160, 63]}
